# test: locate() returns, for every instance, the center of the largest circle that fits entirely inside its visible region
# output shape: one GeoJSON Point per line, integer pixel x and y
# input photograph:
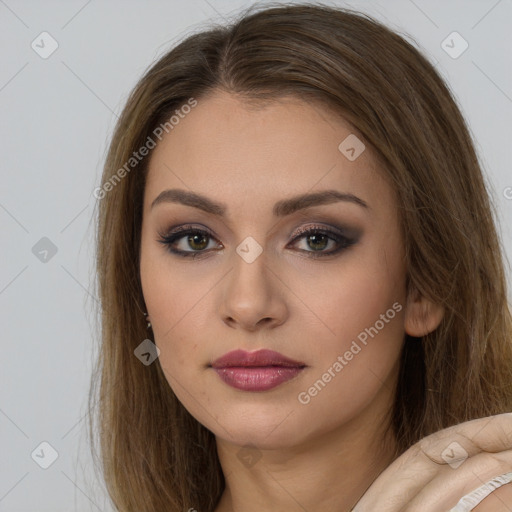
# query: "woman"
{"type": "Point", "coordinates": [295, 204]}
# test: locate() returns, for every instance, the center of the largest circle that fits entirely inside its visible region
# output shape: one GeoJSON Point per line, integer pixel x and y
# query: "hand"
{"type": "Point", "coordinates": [437, 471]}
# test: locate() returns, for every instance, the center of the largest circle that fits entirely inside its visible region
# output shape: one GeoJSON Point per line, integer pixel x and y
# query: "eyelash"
{"type": "Point", "coordinates": [179, 233]}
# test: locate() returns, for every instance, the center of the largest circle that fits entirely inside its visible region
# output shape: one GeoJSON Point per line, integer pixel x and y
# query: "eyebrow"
{"type": "Point", "coordinates": [280, 209]}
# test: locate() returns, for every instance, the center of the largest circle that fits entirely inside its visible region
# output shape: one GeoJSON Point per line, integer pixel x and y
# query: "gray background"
{"type": "Point", "coordinates": [57, 116]}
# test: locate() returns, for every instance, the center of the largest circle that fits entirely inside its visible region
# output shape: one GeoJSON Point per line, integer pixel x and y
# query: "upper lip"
{"type": "Point", "coordinates": [255, 359]}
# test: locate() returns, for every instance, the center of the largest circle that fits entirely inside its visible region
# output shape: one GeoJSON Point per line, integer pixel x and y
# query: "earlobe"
{"type": "Point", "coordinates": [421, 315]}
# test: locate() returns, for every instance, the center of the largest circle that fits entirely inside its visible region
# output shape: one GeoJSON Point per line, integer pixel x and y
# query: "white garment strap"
{"type": "Point", "coordinates": [471, 500]}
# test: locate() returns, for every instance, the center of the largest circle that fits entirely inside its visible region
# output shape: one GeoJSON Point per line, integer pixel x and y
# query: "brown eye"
{"type": "Point", "coordinates": [187, 241]}
{"type": "Point", "coordinates": [199, 239]}
{"type": "Point", "coordinates": [317, 240]}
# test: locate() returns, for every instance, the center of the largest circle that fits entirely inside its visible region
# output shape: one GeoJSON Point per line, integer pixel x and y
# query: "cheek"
{"type": "Point", "coordinates": [176, 295]}
{"type": "Point", "coordinates": [172, 314]}
{"type": "Point", "coordinates": [365, 316]}
{"type": "Point", "coordinates": [166, 293]}
{"type": "Point", "coordinates": [357, 295]}
{"type": "Point", "coordinates": [367, 340]}
{"type": "Point", "coordinates": [357, 366]}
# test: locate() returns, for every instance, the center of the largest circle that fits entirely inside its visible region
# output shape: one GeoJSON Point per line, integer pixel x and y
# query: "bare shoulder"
{"type": "Point", "coordinates": [498, 501]}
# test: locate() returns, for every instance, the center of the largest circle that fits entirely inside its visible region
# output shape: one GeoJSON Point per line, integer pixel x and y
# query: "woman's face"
{"type": "Point", "coordinates": [330, 302]}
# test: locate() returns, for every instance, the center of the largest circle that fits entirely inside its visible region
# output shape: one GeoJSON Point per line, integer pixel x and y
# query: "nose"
{"type": "Point", "coordinates": [253, 296]}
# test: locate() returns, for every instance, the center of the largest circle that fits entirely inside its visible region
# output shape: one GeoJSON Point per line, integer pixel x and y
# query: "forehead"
{"type": "Point", "coordinates": [251, 152]}
{"type": "Point", "coordinates": [225, 129]}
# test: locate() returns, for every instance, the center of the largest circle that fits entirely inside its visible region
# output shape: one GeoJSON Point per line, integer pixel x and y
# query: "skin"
{"type": "Point", "coordinates": [322, 455]}
{"type": "Point", "coordinates": [422, 480]}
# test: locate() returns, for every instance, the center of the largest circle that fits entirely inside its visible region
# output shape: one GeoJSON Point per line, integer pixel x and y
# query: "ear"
{"type": "Point", "coordinates": [421, 315]}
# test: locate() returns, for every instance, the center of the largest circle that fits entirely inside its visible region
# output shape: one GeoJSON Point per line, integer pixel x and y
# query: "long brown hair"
{"type": "Point", "coordinates": [153, 454]}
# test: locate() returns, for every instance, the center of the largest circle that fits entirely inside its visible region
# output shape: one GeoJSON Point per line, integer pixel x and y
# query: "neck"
{"type": "Point", "coordinates": [330, 472]}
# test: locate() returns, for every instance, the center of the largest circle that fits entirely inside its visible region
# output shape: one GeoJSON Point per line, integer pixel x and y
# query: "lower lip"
{"type": "Point", "coordinates": [259, 378]}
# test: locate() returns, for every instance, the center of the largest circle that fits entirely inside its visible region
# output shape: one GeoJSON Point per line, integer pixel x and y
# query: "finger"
{"type": "Point", "coordinates": [492, 434]}
{"type": "Point", "coordinates": [405, 478]}
{"type": "Point", "coordinates": [449, 485]}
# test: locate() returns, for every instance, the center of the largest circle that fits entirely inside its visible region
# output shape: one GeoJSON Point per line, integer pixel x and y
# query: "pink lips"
{"type": "Point", "coordinates": [256, 371]}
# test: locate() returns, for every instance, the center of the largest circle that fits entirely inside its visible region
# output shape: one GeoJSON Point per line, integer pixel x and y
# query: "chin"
{"type": "Point", "coordinates": [266, 428]}
{"type": "Point", "coordinates": [250, 437]}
